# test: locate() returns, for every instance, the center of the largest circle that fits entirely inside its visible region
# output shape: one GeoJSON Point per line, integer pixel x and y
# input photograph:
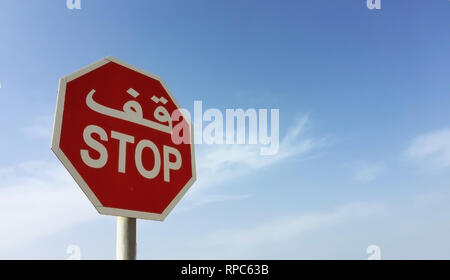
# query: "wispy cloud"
{"type": "Point", "coordinates": [245, 241]}
{"type": "Point", "coordinates": [41, 195]}
{"type": "Point", "coordinates": [218, 164]}
{"type": "Point", "coordinates": [39, 198]}
{"type": "Point", "coordinates": [41, 127]}
{"type": "Point", "coordinates": [368, 172]}
{"type": "Point", "coordinates": [430, 199]}
{"type": "Point", "coordinates": [432, 147]}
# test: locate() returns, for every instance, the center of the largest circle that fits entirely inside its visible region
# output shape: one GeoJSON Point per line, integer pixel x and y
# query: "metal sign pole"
{"type": "Point", "coordinates": [126, 239]}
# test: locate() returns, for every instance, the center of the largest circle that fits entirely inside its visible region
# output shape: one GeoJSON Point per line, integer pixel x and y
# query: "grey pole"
{"type": "Point", "coordinates": [126, 239]}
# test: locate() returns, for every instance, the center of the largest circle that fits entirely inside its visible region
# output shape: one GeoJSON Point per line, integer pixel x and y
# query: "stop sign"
{"type": "Point", "coordinates": [119, 132]}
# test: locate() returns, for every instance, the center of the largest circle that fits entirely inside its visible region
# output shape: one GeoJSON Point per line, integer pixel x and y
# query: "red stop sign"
{"type": "Point", "coordinates": [114, 132]}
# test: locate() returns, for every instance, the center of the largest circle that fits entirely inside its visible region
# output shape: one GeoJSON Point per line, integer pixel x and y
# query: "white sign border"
{"type": "Point", "coordinates": [74, 173]}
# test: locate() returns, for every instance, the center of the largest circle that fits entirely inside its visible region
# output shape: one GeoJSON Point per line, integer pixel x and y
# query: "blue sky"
{"type": "Point", "coordinates": [363, 98]}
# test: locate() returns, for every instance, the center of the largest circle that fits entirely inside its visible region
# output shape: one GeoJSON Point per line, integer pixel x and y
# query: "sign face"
{"type": "Point", "coordinates": [120, 134]}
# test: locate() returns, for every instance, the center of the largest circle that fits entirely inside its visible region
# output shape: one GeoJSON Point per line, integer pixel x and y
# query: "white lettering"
{"type": "Point", "coordinates": [149, 174]}
{"type": "Point", "coordinates": [94, 144]}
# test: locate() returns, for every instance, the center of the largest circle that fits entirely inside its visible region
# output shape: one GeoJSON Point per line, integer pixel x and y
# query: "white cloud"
{"type": "Point", "coordinates": [211, 198]}
{"type": "Point", "coordinates": [41, 127]}
{"type": "Point", "coordinates": [246, 241]}
{"type": "Point", "coordinates": [39, 198]}
{"type": "Point", "coordinates": [432, 147]}
{"type": "Point", "coordinates": [429, 199]}
{"type": "Point", "coordinates": [368, 172]}
{"type": "Point", "coordinates": [217, 164]}
{"type": "Point", "coordinates": [344, 232]}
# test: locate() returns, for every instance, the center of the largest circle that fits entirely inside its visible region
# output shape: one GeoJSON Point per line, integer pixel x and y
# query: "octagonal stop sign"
{"type": "Point", "coordinates": [122, 136]}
